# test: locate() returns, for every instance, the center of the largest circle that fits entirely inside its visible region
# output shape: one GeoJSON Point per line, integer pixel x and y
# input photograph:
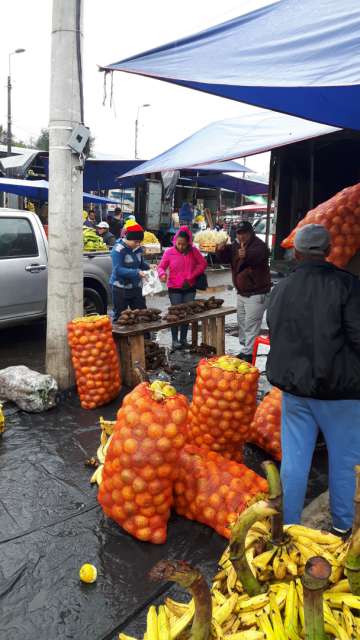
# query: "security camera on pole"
{"type": "Point", "coordinates": [68, 137]}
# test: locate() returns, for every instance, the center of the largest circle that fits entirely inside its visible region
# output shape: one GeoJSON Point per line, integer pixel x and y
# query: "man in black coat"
{"type": "Point", "coordinates": [314, 322]}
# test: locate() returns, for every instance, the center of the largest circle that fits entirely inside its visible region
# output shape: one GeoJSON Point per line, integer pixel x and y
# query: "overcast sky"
{"type": "Point", "coordinates": [113, 30]}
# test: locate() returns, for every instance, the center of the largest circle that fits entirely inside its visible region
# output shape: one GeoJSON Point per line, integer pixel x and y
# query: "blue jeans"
{"type": "Point", "coordinates": [179, 297]}
{"type": "Point", "coordinates": [339, 422]}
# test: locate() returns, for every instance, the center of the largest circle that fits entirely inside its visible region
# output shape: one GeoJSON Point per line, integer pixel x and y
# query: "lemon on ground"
{"type": "Point", "coordinates": [88, 573]}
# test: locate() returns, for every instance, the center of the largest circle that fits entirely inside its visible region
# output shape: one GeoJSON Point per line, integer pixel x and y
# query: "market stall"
{"type": "Point", "coordinates": [131, 341]}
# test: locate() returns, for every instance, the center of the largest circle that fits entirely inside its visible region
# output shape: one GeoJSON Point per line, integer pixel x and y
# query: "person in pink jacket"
{"type": "Point", "coordinates": [180, 267]}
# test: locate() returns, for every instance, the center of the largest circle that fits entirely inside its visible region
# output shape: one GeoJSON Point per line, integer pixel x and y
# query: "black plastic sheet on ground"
{"type": "Point", "coordinates": [50, 524]}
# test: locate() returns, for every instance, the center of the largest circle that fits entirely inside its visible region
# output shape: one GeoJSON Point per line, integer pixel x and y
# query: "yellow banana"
{"type": "Point", "coordinates": [291, 613]}
{"type": "Point", "coordinates": [329, 619]}
{"type": "Point", "coordinates": [249, 554]}
{"type": "Point", "coordinates": [163, 624]}
{"type": "Point", "coordinates": [338, 599]}
{"type": "Point", "coordinates": [97, 475]}
{"type": "Point", "coordinates": [100, 454]}
{"type": "Point", "coordinates": [256, 602]}
{"type": "Point", "coordinates": [181, 623]}
{"type": "Point", "coordinates": [261, 561]}
{"type": "Point", "coordinates": [152, 624]}
{"type": "Point", "coordinates": [348, 621]}
{"type": "Point", "coordinates": [340, 587]}
{"type": "Point", "coordinates": [218, 597]}
{"type": "Point", "coordinates": [231, 579]}
{"type": "Point", "coordinates": [279, 567]}
{"type": "Point", "coordinates": [177, 608]}
{"type": "Point", "coordinates": [220, 576]}
{"type": "Point", "coordinates": [222, 612]}
{"type": "Point", "coordinates": [276, 619]}
{"type": "Point", "coordinates": [321, 537]}
{"type": "Point", "coordinates": [250, 634]}
{"type": "Point", "coordinates": [266, 627]}
{"type": "Point", "coordinates": [123, 636]}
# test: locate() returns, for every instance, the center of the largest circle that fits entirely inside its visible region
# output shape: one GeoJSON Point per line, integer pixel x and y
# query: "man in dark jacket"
{"type": "Point", "coordinates": [116, 222]}
{"type": "Point", "coordinates": [102, 229]}
{"type": "Point", "coordinates": [314, 322]}
{"type": "Point", "coordinates": [249, 259]}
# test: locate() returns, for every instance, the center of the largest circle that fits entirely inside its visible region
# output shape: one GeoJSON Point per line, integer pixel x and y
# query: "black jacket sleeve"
{"type": "Point", "coordinates": [352, 317]}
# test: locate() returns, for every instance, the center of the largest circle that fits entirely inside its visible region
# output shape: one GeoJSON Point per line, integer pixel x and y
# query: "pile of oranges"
{"type": "Point", "coordinates": [341, 216]}
{"type": "Point", "coordinates": [142, 460]}
{"type": "Point", "coordinates": [95, 360]}
{"type": "Point", "coordinates": [213, 490]}
{"type": "Point", "coordinates": [223, 405]}
{"type": "Point", "coordinates": [266, 427]}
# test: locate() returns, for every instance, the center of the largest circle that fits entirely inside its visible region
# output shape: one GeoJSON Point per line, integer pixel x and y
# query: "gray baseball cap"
{"type": "Point", "coordinates": [312, 239]}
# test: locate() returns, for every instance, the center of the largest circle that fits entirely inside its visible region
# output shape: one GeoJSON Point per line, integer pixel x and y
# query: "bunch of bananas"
{"type": "Point", "coordinates": [269, 561]}
{"type": "Point", "coordinates": [93, 242]}
{"type": "Point", "coordinates": [231, 363]}
{"type": "Point", "coordinates": [150, 238]}
{"type": "Point", "coordinates": [162, 389]}
{"type": "Point", "coordinates": [2, 420]}
{"type": "Point", "coordinates": [107, 428]}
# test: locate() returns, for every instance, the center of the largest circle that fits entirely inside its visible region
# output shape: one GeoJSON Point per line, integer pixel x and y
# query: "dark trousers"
{"type": "Point", "coordinates": [178, 297]}
{"type": "Point", "coordinates": [125, 298]}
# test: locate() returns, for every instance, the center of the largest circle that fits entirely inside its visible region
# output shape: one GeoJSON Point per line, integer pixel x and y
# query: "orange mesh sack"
{"type": "Point", "coordinates": [341, 216]}
{"type": "Point", "coordinates": [223, 405]}
{"type": "Point", "coordinates": [95, 360]}
{"type": "Point", "coordinates": [212, 489]}
{"type": "Point", "coordinates": [143, 456]}
{"type": "Point", "coordinates": [266, 427]}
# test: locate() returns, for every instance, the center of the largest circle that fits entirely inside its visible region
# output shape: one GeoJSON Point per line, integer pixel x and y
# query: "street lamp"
{"type": "Point", "coordinates": [141, 106]}
{"type": "Point", "coordinates": [9, 100]}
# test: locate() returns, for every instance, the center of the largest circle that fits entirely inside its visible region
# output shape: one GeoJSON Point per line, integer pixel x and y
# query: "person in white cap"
{"type": "Point", "coordinates": [102, 229]}
{"type": "Point", "coordinates": [314, 322]}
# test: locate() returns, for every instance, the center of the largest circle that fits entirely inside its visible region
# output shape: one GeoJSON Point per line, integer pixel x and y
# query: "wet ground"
{"type": "Point", "coordinates": [50, 521]}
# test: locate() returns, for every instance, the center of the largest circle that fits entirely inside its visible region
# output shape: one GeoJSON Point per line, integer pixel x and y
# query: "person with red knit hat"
{"type": "Point", "coordinates": [128, 270]}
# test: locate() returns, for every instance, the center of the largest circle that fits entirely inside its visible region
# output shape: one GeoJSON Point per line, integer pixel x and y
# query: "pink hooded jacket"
{"type": "Point", "coordinates": [182, 267]}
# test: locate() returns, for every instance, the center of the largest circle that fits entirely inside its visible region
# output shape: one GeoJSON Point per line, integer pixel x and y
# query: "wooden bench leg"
{"type": "Point", "coordinates": [220, 336]}
{"type": "Point", "coordinates": [131, 350]}
{"type": "Point", "coordinates": [194, 333]}
{"type": "Point", "coordinates": [205, 331]}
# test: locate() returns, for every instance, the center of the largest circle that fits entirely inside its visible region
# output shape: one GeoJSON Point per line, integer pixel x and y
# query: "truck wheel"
{"type": "Point", "coordinates": [93, 303]}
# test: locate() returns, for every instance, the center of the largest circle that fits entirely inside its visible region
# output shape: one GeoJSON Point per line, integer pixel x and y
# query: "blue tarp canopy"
{"type": "Point", "coordinates": [103, 174]}
{"type": "Point", "coordinates": [297, 57]}
{"type": "Point", "coordinates": [38, 190]}
{"type": "Point", "coordinates": [254, 132]}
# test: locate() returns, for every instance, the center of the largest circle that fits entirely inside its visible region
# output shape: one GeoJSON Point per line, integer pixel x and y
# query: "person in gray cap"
{"type": "Point", "coordinates": [314, 322]}
{"type": "Point", "coordinates": [102, 229]}
{"type": "Point", "coordinates": [249, 259]}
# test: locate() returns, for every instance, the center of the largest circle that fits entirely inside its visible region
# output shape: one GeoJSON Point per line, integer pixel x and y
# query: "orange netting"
{"type": "Point", "coordinates": [95, 360]}
{"type": "Point", "coordinates": [266, 427]}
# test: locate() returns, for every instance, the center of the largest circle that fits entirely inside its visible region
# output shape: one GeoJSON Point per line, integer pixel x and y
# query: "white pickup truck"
{"type": "Point", "coordinates": [23, 271]}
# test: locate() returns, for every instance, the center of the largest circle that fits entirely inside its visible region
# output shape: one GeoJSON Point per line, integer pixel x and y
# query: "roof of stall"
{"type": "Point", "coordinates": [256, 131]}
{"type": "Point", "coordinates": [300, 58]}
{"type": "Point", "coordinates": [38, 190]}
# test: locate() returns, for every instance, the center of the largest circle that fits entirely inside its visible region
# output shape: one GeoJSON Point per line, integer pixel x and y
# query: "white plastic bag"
{"type": "Point", "coordinates": [151, 283]}
{"type": "Point", "coordinates": [30, 390]}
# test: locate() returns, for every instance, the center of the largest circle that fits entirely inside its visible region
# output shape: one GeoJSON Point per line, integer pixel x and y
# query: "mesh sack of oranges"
{"type": "Point", "coordinates": [95, 360]}
{"type": "Point", "coordinates": [341, 216]}
{"type": "Point", "coordinates": [142, 459]}
{"type": "Point", "coordinates": [266, 427]}
{"type": "Point", "coordinates": [223, 405]}
{"type": "Point", "coordinates": [212, 489]}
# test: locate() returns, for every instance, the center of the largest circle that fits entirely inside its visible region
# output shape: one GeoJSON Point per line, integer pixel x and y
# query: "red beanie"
{"type": "Point", "coordinates": [134, 232]}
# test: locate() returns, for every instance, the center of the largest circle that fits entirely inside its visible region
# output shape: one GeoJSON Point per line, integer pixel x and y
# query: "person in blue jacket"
{"type": "Point", "coordinates": [128, 270]}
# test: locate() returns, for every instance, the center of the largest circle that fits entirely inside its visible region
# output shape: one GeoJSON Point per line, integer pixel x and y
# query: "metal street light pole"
{"type": "Point", "coordinates": [8, 135]}
{"type": "Point", "coordinates": [137, 127]}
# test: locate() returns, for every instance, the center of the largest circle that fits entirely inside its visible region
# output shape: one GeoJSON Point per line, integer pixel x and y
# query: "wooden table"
{"type": "Point", "coordinates": [131, 346]}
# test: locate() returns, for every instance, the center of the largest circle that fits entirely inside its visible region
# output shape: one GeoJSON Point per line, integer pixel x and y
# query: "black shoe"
{"type": "Point", "coordinates": [345, 535]}
{"type": "Point", "coordinates": [185, 345]}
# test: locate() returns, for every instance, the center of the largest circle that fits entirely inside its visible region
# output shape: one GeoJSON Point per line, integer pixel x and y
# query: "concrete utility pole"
{"type": "Point", "coordinates": [65, 282]}
{"type": "Point", "coordinates": [9, 87]}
